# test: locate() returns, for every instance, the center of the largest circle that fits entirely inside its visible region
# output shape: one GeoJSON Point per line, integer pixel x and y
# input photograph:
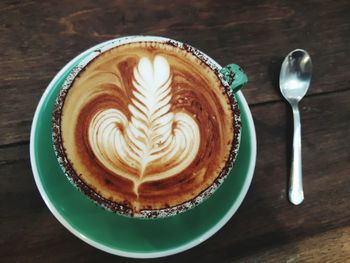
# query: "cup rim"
{"type": "Point", "coordinates": [72, 175]}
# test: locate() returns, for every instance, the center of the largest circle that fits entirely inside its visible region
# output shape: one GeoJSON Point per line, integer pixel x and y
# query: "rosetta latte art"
{"type": "Point", "coordinates": [153, 137]}
{"type": "Point", "coordinates": [146, 128]}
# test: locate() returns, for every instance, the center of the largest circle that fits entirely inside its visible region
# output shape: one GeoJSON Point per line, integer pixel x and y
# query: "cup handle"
{"type": "Point", "coordinates": [234, 76]}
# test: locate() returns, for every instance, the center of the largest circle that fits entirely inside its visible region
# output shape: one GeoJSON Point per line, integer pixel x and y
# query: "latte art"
{"type": "Point", "coordinates": [154, 136]}
{"type": "Point", "coordinates": [146, 127]}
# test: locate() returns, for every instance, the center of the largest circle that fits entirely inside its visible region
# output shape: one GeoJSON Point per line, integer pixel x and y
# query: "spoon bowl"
{"type": "Point", "coordinates": [295, 75]}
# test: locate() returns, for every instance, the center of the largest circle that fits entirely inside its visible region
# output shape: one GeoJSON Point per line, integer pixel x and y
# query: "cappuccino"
{"type": "Point", "coordinates": [145, 128]}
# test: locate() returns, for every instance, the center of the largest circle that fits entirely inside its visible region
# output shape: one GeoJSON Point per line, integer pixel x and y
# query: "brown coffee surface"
{"type": "Point", "coordinates": [147, 125]}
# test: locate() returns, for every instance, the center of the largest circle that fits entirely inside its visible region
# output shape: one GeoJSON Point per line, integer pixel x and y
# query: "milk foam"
{"type": "Point", "coordinates": [153, 136]}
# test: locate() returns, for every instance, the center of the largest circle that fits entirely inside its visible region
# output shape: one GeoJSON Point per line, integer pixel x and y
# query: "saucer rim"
{"type": "Point", "coordinates": [207, 234]}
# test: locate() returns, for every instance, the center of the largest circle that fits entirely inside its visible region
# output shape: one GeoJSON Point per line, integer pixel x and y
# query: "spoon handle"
{"type": "Point", "coordinates": [296, 193]}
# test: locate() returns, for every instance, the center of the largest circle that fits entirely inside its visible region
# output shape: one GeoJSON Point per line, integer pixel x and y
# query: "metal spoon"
{"type": "Point", "coordinates": [295, 77]}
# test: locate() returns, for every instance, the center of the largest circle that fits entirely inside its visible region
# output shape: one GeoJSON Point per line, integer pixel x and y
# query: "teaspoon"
{"type": "Point", "coordinates": [295, 77]}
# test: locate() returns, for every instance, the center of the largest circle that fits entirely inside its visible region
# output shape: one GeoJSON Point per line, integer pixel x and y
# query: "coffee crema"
{"type": "Point", "coordinates": [146, 127]}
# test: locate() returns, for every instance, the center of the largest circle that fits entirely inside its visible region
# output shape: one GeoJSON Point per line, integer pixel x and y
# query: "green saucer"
{"type": "Point", "coordinates": [131, 237]}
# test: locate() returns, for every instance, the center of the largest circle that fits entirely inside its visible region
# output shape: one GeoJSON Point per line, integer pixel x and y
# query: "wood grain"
{"type": "Point", "coordinates": [330, 246]}
{"type": "Point", "coordinates": [266, 228]}
{"type": "Point", "coordinates": [40, 37]}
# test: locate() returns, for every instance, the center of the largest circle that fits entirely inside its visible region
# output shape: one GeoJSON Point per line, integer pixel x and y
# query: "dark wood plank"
{"type": "Point", "coordinates": [39, 37]}
{"type": "Point", "coordinates": [265, 229]}
{"type": "Point", "coordinates": [331, 246]}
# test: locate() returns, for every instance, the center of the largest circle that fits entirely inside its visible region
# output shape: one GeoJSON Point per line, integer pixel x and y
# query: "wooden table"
{"type": "Point", "coordinates": [39, 37]}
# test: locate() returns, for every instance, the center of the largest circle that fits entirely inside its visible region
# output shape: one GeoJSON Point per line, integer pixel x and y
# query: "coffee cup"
{"type": "Point", "coordinates": [148, 126]}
